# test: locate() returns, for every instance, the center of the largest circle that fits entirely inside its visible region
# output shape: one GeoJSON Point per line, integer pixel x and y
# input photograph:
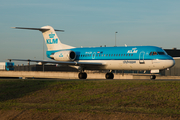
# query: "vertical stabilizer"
{"type": "Point", "coordinates": [51, 39]}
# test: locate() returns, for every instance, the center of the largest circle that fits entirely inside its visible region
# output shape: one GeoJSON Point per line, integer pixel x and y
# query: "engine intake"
{"type": "Point", "coordinates": [64, 56]}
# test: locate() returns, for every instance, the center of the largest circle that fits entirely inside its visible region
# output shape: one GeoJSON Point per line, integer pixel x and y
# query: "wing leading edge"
{"type": "Point", "coordinates": [60, 62]}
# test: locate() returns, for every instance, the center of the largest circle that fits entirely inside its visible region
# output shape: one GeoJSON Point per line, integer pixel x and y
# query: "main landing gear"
{"type": "Point", "coordinates": [82, 75]}
{"type": "Point", "coordinates": [109, 75]}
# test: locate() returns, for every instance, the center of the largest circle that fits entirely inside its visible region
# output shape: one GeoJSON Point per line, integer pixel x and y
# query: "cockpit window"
{"type": "Point", "coordinates": [150, 53]}
{"type": "Point", "coordinates": [153, 53]}
{"type": "Point", "coordinates": [157, 53]}
{"type": "Point", "coordinates": [161, 53]}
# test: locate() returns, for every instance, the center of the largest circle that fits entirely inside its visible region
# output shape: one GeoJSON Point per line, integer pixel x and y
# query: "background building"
{"type": "Point", "coordinates": [175, 70]}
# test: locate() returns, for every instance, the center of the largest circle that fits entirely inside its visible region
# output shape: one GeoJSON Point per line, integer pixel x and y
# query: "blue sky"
{"type": "Point", "coordinates": [88, 23]}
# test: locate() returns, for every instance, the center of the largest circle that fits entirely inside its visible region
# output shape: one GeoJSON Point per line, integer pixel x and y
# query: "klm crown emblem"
{"type": "Point", "coordinates": [52, 40]}
{"type": "Point", "coordinates": [51, 35]}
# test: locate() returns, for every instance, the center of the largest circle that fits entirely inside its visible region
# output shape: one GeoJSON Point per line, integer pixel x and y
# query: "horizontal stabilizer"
{"type": "Point", "coordinates": [51, 39]}
{"type": "Point", "coordinates": [40, 29]}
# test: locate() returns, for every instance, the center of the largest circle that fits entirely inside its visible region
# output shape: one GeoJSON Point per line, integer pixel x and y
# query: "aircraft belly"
{"type": "Point", "coordinates": [128, 64]}
{"type": "Point", "coordinates": [93, 67]}
{"type": "Point", "coordinates": [135, 65]}
{"type": "Point", "coordinates": [123, 65]}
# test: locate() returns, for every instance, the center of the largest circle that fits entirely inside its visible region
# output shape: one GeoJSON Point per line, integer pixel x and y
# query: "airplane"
{"type": "Point", "coordinates": [102, 58]}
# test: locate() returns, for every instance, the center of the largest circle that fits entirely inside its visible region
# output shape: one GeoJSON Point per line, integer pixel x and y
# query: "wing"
{"type": "Point", "coordinates": [61, 62]}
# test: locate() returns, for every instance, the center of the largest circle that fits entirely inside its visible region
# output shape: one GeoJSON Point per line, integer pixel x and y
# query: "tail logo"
{"type": "Point", "coordinates": [51, 39]}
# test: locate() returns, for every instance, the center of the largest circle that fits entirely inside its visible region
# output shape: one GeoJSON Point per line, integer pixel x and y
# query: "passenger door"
{"type": "Point", "coordinates": [141, 57]}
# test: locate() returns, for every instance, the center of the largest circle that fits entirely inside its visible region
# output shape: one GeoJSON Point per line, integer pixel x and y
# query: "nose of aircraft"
{"type": "Point", "coordinates": [171, 63]}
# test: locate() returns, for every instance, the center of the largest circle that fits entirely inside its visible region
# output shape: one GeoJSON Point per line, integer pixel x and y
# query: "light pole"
{"type": "Point", "coordinates": [43, 56]}
{"type": "Point", "coordinates": [43, 49]}
{"type": "Point", "coordinates": [115, 43]}
{"type": "Point", "coordinates": [115, 37]}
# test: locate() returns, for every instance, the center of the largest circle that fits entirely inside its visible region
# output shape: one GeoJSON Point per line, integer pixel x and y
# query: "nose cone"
{"type": "Point", "coordinates": [171, 62]}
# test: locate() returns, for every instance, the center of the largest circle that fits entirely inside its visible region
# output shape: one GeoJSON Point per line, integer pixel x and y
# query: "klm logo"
{"type": "Point", "coordinates": [61, 55]}
{"type": "Point", "coordinates": [51, 39]}
{"type": "Point", "coordinates": [133, 50]}
{"type": "Point", "coordinates": [51, 35]}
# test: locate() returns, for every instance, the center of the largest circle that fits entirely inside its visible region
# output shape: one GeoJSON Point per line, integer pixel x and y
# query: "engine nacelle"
{"type": "Point", "coordinates": [64, 56]}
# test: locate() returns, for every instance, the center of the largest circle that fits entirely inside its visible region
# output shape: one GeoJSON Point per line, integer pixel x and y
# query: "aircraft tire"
{"type": "Point", "coordinates": [152, 77]}
{"type": "Point", "coordinates": [109, 75]}
{"type": "Point", "coordinates": [82, 75]}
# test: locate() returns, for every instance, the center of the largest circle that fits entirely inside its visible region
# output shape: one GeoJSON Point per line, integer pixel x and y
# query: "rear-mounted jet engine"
{"type": "Point", "coordinates": [64, 56]}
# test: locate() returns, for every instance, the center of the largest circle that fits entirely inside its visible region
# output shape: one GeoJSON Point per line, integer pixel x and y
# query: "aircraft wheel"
{"type": "Point", "coordinates": [152, 77]}
{"type": "Point", "coordinates": [82, 75]}
{"type": "Point", "coordinates": [109, 75]}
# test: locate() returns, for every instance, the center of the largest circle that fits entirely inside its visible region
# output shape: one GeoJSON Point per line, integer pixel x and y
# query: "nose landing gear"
{"type": "Point", "coordinates": [152, 77]}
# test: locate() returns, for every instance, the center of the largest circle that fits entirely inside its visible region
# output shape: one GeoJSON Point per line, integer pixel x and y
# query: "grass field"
{"type": "Point", "coordinates": [89, 99]}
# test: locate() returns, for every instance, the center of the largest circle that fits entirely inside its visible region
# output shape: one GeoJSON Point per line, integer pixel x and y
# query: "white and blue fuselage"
{"type": "Point", "coordinates": [123, 58]}
{"type": "Point", "coordinates": [102, 58]}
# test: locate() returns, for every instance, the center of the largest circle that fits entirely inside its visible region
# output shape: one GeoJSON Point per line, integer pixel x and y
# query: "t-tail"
{"type": "Point", "coordinates": [51, 39]}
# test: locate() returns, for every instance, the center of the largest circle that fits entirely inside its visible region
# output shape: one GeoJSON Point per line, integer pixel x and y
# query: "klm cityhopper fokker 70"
{"type": "Point", "coordinates": [103, 58]}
